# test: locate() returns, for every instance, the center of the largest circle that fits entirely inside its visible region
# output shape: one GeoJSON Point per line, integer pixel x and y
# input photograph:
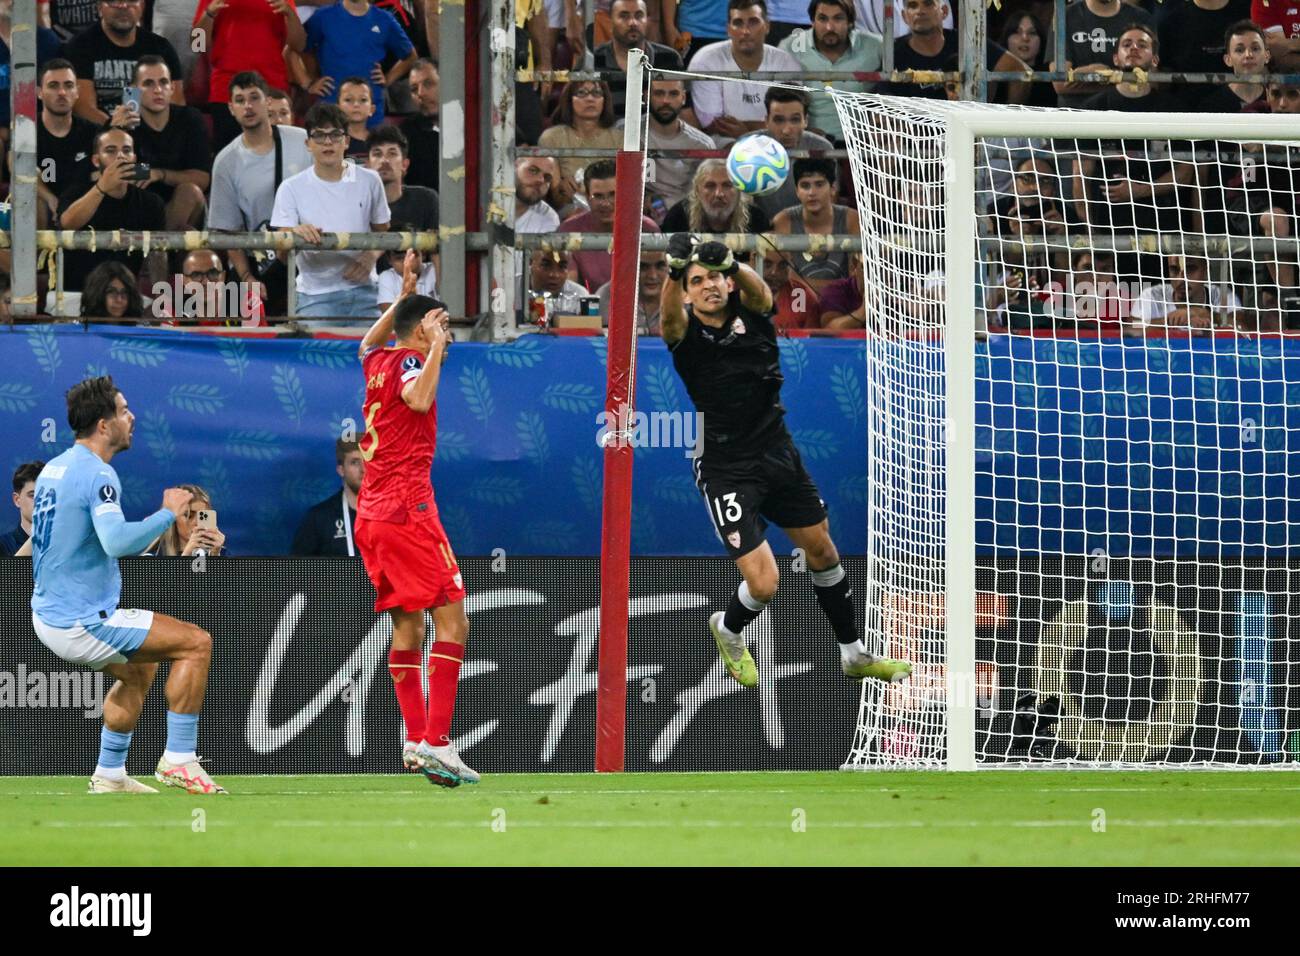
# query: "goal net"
{"type": "Point", "coordinates": [1084, 435]}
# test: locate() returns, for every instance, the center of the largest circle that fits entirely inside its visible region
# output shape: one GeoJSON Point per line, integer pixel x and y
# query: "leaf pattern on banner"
{"type": "Point", "coordinates": [459, 526]}
{"type": "Point", "coordinates": [545, 535]}
{"type": "Point", "coordinates": [289, 393]}
{"type": "Point", "coordinates": [307, 491]}
{"type": "Point", "coordinates": [45, 349]}
{"type": "Point", "coordinates": [452, 447]}
{"type": "Point", "coordinates": [346, 426]}
{"type": "Point", "coordinates": [156, 431]}
{"type": "Point", "coordinates": [199, 399]}
{"type": "Point", "coordinates": [848, 393]}
{"type": "Point", "coordinates": [272, 532]}
{"type": "Point", "coordinates": [794, 355]}
{"type": "Point", "coordinates": [531, 431]}
{"type": "Point", "coordinates": [600, 345]}
{"type": "Point", "coordinates": [679, 489]}
{"type": "Point", "coordinates": [853, 489]}
{"type": "Point", "coordinates": [328, 353]}
{"type": "Point", "coordinates": [138, 494]}
{"type": "Point", "coordinates": [571, 397]}
{"type": "Point", "coordinates": [16, 397]}
{"type": "Point", "coordinates": [586, 481]}
{"type": "Point", "coordinates": [95, 371]}
{"type": "Point", "coordinates": [645, 531]}
{"type": "Point", "coordinates": [497, 490]}
{"type": "Point", "coordinates": [661, 386]}
{"type": "Point", "coordinates": [524, 352]}
{"type": "Point", "coordinates": [253, 443]}
{"type": "Point", "coordinates": [141, 353]}
{"type": "Point", "coordinates": [235, 354]}
{"type": "Point", "coordinates": [816, 443]}
{"type": "Point", "coordinates": [478, 393]}
{"type": "Point", "coordinates": [215, 479]}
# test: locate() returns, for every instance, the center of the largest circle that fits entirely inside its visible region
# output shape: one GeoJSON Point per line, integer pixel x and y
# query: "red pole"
{"type": "Point", "coordinates": [616, 516]}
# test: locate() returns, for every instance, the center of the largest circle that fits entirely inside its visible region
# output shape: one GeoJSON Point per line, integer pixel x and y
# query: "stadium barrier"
{"type": "Point", "coordinates": [299, 679]}
{"type": "Point", "coordinates": [298, 682]}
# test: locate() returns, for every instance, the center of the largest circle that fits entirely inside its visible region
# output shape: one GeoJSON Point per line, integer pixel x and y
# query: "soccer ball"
{"type": "Point", "coordinates": [758, 165]}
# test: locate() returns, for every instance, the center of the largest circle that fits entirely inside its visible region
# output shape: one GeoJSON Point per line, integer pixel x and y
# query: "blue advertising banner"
{"type": "Point", "coordinates": [518, 466]}
{"type": "Point", "coordinates": [1142, 447]}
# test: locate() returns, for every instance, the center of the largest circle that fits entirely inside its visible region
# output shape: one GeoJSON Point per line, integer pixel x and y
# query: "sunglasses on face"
{"type": "Point", "coordinates": [213, 274]}
{"type": "Point", "coordinates": [328, 135]}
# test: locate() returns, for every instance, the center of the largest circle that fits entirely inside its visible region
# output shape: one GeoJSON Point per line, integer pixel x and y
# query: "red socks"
{"type": "Point", "coordinates": [444, 669]}
{"type": "Point", "coordinates": [404, 666]}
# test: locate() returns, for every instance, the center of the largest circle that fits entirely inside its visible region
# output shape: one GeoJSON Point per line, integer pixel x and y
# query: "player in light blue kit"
{"type": "Point", "coordinates": [78, 533]}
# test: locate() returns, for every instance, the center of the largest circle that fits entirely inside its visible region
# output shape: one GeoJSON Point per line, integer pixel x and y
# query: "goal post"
{"type": "Point", "coordinates": [1083, 435]}
{"type": "Point", "coordinates": [620, 393]}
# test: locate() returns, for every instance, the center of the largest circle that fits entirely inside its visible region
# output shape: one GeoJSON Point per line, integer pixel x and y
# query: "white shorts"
{"type": "Point", "coordinates": [111, 641]}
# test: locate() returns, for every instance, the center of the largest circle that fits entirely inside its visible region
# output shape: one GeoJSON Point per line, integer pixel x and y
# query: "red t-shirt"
{"type": "Point", "coordinates": [1278, 13]}
{"type": "Point", "coordinates": [399, 443]}
{"type": "Point", "coordinates": [248, 35]}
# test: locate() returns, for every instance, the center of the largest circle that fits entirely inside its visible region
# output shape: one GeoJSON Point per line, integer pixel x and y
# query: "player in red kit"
{"type": "Point", "coordinates": [406, 552]}
{"type": "Point", "coordinates": [1280, 20]}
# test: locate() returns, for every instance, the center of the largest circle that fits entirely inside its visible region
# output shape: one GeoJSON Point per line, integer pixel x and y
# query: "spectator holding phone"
{"type": "Point", "coordinates": [113, 200]}
{"type": "Point", "coordinates": [105, 54]}
{"type": "Point", "coordinates": [195, 530]}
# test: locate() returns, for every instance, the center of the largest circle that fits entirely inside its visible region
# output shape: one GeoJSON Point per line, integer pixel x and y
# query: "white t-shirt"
{"type": "Point", "coordinates": [539, 217]}
{"type": "Point", "coordinates": [390, 283]}
{"type": "Point", "coordinates": [243, 182]}
{"type": "Point", "coordinates": [739, 101]}
{"type": "Point", "coordinates": [1158, 301]}
{"type": "Point", "coordinates": [350, 205]}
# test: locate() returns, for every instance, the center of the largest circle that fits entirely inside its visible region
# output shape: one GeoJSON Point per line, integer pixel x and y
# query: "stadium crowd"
{"type": "Point", "coordinates": [236, 115]}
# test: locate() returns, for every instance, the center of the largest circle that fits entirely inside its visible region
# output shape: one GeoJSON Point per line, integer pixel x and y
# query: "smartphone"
{"type": "Point", "coordinates": [206, 519]}
{"type": "Point", "coordinates": [140, 172]}
{"type": "Point", "coordinates": [131, 97]}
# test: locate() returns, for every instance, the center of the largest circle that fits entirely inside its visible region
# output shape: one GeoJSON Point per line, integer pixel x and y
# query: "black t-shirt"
{"type": "Point", "coordinates": [181, 144]}
{"type": "Point", "coordinates": [679, 220]}
{"type": "Point", "coordinates": [1092, 39]}
{"type": "Point", "coordinates": [733, 375]}
{"type": "Point", "coordinates": [1208, 98]}
{"type": "Point", "coordinates": [664, 57]}
{"type": "Point", "coordinates": [1157, 101]}
{"type": "Point", "coordinates": [137, 210]}
{"type": "Point", "coordinates": [322, 532]}
{"type": "Point", "coordinates": [64, 159]}
{"type": "Point", "coordinates": [418, 206]}
{"type": "Point", "coordinates": [1191, 39]}
{"type": "Point", "coordinates": [70, 17]}
{"type": "Point", "coordinates": [112, 67]}
{"type": "Point", "coordinates": [424, 143]}
{"type": "Point", "coordinates": [11, 541]}
{"type": "Point", "coordinates": [905, 58]}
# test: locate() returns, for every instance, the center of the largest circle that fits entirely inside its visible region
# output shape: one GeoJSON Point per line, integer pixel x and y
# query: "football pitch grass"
{"type": "Point", "coordinates": [1017, 818]}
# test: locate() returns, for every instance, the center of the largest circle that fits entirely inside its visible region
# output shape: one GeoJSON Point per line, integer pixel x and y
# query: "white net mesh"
{"type": "Point", "coordinates": [1137, 444]}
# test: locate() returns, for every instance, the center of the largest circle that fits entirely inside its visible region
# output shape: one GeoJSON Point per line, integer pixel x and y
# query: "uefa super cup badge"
{"type": "Point", "coordinates": [738, 327]}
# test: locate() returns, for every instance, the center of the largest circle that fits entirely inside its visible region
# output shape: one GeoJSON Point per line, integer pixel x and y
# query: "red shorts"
{"type": "Point", "coordinates": [411, 564]}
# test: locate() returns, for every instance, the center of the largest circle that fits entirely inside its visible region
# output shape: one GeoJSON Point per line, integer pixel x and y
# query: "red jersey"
{"type": "Point", "coordinates": [247, 35]}
{"type": "Point", "coordinates": [399, 443]}
{"type": "Point", "coordinates": [1278, 13]}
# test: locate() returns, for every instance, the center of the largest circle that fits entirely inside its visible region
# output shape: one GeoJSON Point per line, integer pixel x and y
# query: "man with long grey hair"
{"type": "Point", "coordinates": [715, 205]}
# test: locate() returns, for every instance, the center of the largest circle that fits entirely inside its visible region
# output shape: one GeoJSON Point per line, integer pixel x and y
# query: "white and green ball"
{"type": "Point", "coordinates": [758, 164]}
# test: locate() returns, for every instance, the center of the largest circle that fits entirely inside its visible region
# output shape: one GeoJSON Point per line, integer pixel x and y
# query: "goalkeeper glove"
{"type": "Point", "coordinates": [716, 257]}
{"type": "Point", "coordinates": [681, 246]}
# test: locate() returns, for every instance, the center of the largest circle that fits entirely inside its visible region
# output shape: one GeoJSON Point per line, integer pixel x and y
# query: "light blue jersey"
{"type": "Point", "coordinates": [78, 533]}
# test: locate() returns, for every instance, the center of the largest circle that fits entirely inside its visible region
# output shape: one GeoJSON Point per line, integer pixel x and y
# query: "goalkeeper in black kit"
{"type": "Point", "coordinates": [717, 320]}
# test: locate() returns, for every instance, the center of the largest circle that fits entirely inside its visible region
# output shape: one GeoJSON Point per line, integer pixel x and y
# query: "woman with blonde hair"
{"type": "Point", "coordinates": [184, 537]}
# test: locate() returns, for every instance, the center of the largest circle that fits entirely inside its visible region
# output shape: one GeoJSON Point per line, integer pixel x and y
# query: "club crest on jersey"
{"type": "Point", "coordinates": [733, 539]}
{"type": "Point", "coordinates": [410, 363]}
{"type": "Point", "coordinates": [738, 326]}
{"type": "Point", "coordinates": [108, 494]}
{"type": "Point", "coordinates": [460, 582]}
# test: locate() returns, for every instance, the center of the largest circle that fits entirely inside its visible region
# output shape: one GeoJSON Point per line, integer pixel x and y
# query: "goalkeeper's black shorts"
{"type": "Point", "coordinates": [742, 495]}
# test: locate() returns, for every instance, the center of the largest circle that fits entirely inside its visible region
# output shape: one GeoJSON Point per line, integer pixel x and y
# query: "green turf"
{"type": "Point", "coordinates": [1013, 818]}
